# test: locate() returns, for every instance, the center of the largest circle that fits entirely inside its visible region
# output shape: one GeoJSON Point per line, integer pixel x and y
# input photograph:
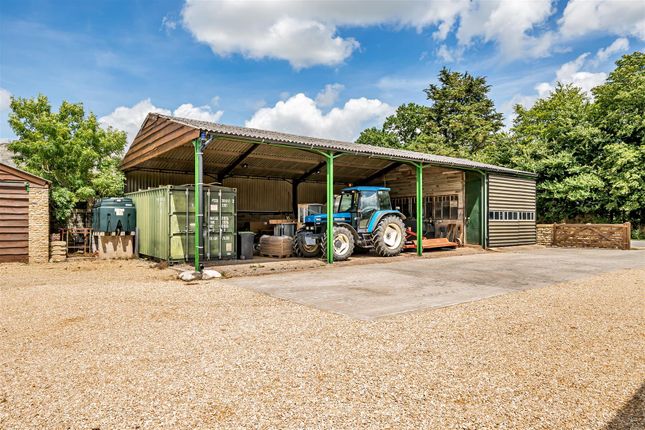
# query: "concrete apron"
{"type": "Point", "coordinates": [378, 290]}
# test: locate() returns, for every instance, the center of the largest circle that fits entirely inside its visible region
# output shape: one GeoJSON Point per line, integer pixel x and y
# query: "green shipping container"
{"type": "Point", "coordinates": [166, 222]}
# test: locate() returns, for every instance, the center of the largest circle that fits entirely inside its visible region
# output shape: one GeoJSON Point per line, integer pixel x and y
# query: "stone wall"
{"type": "Point", "coordinates": [38, 224]}
{"type": "Point", "coordinates": [544, 234]}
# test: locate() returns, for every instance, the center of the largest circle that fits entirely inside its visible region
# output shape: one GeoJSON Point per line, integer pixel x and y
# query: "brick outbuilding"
{"type": "Point", "coordinates": [24, 216]}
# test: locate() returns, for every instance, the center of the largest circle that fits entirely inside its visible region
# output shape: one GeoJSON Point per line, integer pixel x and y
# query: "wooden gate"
{"type": "Point", "coordinates": [14, 222]}
{"type": "Point", "coordinates": [615, 236]}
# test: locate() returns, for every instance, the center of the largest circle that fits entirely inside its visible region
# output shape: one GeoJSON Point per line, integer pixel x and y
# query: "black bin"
{"type": "Point", "coordinates": [245, 245]}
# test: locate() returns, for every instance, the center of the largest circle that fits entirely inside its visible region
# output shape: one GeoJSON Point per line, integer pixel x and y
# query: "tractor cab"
{"type": "Point", "coordinates": [363, 218]}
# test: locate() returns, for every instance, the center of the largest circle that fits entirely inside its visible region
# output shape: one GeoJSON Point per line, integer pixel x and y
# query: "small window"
{"type": "Point", "coordinates": [445, 207]}
{"type": "Point", "coordinates": [384, 200]}
{"type": "Point", "coordinates": [429, 207]}
{"type": "Point", "coordinates": [437, 208]}
{"type": "Point", "coordinates": [515, 215]}
{"type": "Point", "coordinates": [346, 202]}
{"type": "Point", "coordinates": [454, 207]}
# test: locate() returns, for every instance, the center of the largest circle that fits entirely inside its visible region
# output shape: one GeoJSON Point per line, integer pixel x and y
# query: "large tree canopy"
{"type": "Point", "coordinates": [588, 151]}
{"type": "Point", "coordinates": [68, 148]}
{"type": "Point", "coordinates": [460, 120]}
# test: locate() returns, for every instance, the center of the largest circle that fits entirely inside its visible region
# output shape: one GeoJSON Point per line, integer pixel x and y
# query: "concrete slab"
{"type": "Point", "coordinates": [638, 244]}
{"type": "Point", "coordinates": [378, 290]}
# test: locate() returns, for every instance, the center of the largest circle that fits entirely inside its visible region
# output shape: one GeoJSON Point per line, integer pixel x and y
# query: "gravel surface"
{"type": "Point", "coordinates": [117, 345]}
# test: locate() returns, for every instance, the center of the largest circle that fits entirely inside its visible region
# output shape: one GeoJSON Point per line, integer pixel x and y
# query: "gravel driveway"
{"type": "Point", "coordinates": [120, 346]}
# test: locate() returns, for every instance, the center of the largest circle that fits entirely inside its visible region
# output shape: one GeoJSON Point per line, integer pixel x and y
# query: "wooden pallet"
{"type": "Point", "coordinates": [276, 256]}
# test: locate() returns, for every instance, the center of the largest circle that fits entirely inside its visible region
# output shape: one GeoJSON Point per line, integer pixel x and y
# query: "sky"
{"type": "Point", "coordinates": [322, 68]}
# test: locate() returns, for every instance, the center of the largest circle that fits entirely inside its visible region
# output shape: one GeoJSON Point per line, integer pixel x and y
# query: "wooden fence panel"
{"type": "Point", "coordinates": [614, 236]}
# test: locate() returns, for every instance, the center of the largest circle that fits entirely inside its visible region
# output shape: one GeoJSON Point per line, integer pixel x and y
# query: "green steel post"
{"type": "Point", "coordinates": [197, 143]}
{"type": "Point", "coordinates": [330, 208]}
{"type": "Point", "coordinates": [419, 209]}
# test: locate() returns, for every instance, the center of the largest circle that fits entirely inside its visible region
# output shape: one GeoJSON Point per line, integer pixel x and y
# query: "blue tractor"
{"type": "Point", "coordinates": [363, 220]}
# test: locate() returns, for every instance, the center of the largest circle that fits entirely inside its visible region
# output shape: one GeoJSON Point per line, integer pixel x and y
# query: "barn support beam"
{"type": "Point", "coordinates": [330, 207]}
{"type": "Point", "coordinates": [199, 145]}
{"type": "Point", "coordinates": [384, 171]}
{"type": "Point", "coordinates": [419, 175]}
{"type": "Point", "coordinates": [294, 198]}
{"type": "Point", "coordinates": [243, 156]}
{"type": "Point", "coordinates": [312, 171]}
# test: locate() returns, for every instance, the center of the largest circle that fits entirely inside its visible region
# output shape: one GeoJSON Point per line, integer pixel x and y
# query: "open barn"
{"type": "Point", "coordinates": [274, 173]}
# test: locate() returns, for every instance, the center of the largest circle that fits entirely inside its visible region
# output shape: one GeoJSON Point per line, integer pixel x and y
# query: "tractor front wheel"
{"type": "Point", "coordinates": [389, 236]}
{"type": "Point", "coordinates": [301, 249]}
{"type": "Point", "coordinates": [343, 243]}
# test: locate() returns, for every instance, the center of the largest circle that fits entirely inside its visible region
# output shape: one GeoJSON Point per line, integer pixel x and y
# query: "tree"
{"type": "Point", "coordinates": [399, 130]}
{"type": "Point", "coordinates": [80, 158]}
{"type": "Point", "coordinates": [462, 116]}
{"type": "Point", "coordinates": [588, 153]}
{"type": "Point", "coordinates": [460, 121]}
{"type": "Point", "coordinates": [619, 111]}
{"type": "Point", "coordinates": [556, 139]}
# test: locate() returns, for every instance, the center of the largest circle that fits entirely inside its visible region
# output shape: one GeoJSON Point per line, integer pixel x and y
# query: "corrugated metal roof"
{"type": "Point", "coordinates": [339, 146]}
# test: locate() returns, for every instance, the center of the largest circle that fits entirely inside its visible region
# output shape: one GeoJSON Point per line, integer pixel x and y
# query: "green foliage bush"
{"type": "Point", "coordinates": [70, 149]}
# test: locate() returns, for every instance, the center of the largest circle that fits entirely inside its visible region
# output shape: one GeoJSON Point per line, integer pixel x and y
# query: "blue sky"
{"type": "Point", "coordinates": [324, 68]}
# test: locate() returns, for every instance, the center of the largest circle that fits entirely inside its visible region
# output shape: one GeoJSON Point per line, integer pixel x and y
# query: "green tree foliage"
{"type": "Point", "coordinates": [619, 111]}
{"type": "Point", "coordinates": [462, 116]}
{"type": "Point", "coordinates": [555, 139]}
{"type": "Point", "coordinates": [460, 121]}
{"type": "Point", "coordinates": [589, 154]}
{"type": "Point", "coordinates": [399, 130]}
{"type": "Point", "coordinates": [70, 149]}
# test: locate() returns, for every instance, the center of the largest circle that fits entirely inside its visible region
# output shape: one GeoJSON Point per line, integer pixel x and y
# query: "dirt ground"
{"type": "Point", "coordinates": [118, 345]}
{"type": "Point", "coordinates": [268, 266]}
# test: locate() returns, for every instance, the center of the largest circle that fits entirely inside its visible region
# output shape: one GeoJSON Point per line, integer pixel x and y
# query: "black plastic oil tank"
{"type": "Point", "coordinates": [114, 215]}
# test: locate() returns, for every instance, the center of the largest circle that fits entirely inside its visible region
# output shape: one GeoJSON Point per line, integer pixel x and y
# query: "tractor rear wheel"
{"type": "Point", "coordinates": [301, 249]}
{"type": "Point", "coordinates": [343, 244]}
{"type": "Point", "coordinates": [389, 236]}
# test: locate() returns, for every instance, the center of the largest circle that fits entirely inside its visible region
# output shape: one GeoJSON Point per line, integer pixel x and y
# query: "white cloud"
{"type": "Point", "coordinates": [202, 113]}
{"type": "Point", "coordinates": [130, 119]}
{"type": "Point", "coordinates": [510, 24]}
{"type": "Point", "coordinates": [329, 95]}
{"type": "Point", "coordinates": [305, 33]}
{"type": "Point", "coordinates": [568, 73]}
{"type": "Point", "coordinates": [445, 54]}
{"type": "Point", "coordinates": [621, 17]}
{"type": "Point", "coordinates": [544, 89]}
{"type": "Point", "coordinates": [5, 99]}
{"type": "Point", "coordinates": [393, 83]}
{"type": "Point", "coordinates": [168, 24]}
{"type": "Point", "coordinates": [301, 115]}
{"type": "Point", "coordinates": [508, 108]}
{"type": "Point", "coordinates": [619, 45]}
{"type": "Point", "coordinates": [571, 73]}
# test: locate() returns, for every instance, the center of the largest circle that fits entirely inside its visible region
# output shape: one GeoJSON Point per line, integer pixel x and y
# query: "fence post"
{"type": "Point", "coordinates": [628, 235]}
{"type": "Point", "coordinates": [553, 235]}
